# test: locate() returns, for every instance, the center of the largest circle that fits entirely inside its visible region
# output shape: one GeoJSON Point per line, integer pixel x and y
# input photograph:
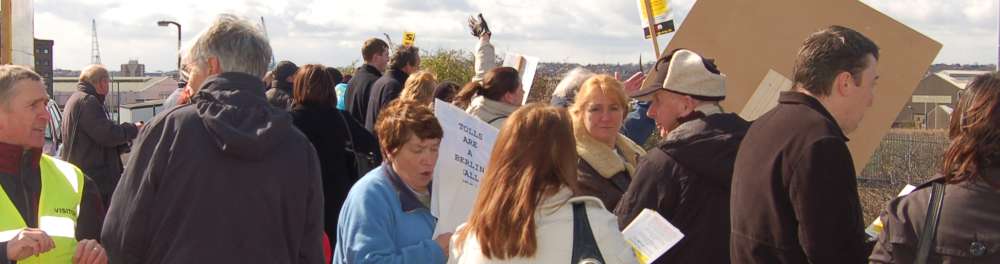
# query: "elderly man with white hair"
{"type": "Point", "coordinates": [224, 179]}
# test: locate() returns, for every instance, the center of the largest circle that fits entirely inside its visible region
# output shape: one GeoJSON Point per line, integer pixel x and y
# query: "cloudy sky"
{"type": "Point", "coordinates": [331, 31]}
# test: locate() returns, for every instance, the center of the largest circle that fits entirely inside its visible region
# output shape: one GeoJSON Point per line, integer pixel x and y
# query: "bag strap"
{"type": "Point", "coordinates": [930, 222]}
{"type": "Point", "coordinates": [585, 250]}
{"type": "Point", "coordinates": [495, 119]}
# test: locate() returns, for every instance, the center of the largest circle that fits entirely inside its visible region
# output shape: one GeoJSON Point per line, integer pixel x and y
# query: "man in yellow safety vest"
{"type": "Point", "coordinates": [49, 211]}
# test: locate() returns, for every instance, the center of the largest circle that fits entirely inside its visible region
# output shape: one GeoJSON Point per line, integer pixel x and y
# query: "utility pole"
{"type": "Point", "coordinates": [95, 49]}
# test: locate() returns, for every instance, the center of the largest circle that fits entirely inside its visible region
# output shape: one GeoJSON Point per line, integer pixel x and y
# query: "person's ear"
{"type": "Point", "coordinates": [842, 84]}
{"type": "Point", "coordinates": [213, 66]}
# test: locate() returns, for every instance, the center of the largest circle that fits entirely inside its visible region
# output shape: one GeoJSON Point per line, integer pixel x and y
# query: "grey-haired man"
{"type": "Point", "coordinates": [226, 178]}
{"type": "Point", "coordinates": [687, 177]}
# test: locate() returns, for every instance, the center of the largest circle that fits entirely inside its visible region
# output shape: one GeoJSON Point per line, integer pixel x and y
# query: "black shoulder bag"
{"type": "Point", "coordinates": [930, 223]}
{"type": "Point", "coordinates": [585, 250]}
{"type": "Point", "coordinates": [363, 162]}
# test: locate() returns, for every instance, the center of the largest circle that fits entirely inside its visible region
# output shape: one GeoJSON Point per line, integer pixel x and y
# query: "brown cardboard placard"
{"type": "Point", "coordinates": [750, 38]}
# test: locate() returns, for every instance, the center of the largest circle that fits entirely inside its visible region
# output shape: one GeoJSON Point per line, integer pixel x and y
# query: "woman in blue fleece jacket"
{"type": "Point", "coordinates": [386, 217]}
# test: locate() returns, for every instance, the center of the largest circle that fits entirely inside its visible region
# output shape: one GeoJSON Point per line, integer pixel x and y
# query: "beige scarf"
{"type": "Point", "coordinates": [603, 158]}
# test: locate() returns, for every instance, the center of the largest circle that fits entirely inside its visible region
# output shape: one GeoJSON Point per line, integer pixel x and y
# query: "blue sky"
{"type": "Point", "coordinates": [331, 31]}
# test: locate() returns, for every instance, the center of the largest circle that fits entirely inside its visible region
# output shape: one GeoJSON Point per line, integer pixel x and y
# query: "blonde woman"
{"type": "Point", "coordinates": [607, 159]}
{"type": "Point", "coordinates": [420, 87]}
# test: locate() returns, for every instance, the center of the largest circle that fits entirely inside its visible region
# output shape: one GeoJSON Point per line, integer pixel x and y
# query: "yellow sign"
{"type": "Point", "coordinates": [660, 17]}
{"type": "Point", "coordinates": [409, 38]}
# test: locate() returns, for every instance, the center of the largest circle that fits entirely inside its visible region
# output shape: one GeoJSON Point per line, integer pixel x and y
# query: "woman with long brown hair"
{"type": "Point", "coordinates": [494, 98]}
{"type": "Point", "coordinates": [524, 211]}
{"type": "Point", "coordinates": [968, 225]}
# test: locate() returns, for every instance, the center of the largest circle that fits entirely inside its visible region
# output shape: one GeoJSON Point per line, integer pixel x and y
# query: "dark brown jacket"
{"type": "Point", "coordinates": [687, 179]}
{"type": "Point", "coordinates": [968, 230]}
{"type": "Point", "coordinates": [20, 178]}
{"type": "Point", "coordinates": [224, 179]}
{"type": "Point", "coordinates": [794, 194]}
{"type": "Point", "coordinates": [359, 90]}
{"type": "Point", "coordinates": [92, 141]}
{"type": "Point", "coordinates": [605, 172]}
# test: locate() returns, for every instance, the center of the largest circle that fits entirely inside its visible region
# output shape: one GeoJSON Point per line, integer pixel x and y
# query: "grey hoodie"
{"type": "Point", "coordinates": [225, 179]}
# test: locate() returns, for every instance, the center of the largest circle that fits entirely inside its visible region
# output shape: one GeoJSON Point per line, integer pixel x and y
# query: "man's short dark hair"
{"type": "Point", "coordinates": [372, 47]}
{"type": "Point", "coordinates": [405, 55]}
{"type": "Point", "coordinates": [827, 53]}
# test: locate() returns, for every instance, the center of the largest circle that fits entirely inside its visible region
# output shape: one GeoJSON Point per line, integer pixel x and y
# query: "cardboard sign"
{"type": "Point", "coordinates": [526, 67]}
{"type": "Point", "coordinates": [409, 38]}
{"type": "Point", "coordinates": [749, 38]}
{"type": "Point", "coordinates": [462, 158]}
{"type": "Point", "coordinates": [661, 16]}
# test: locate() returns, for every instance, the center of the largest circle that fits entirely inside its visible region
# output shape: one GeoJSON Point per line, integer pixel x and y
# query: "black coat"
{"type": "Point", "coordinates": [687, 180]}
{"type": "Point", "coordinates": [795, 195]}
{"type": "Point", "coordinates": [280, 95]}
{"type": "Point", "coordinates": [359, 90]}
{"type": "Point", "coordinates": [225, 179]}
{"type": "Point", "coordinates": [92, 141]}
{"type": "Point", "coordinates": [384, 91]}
{"type": "Point", "coordinates": [325, 128]}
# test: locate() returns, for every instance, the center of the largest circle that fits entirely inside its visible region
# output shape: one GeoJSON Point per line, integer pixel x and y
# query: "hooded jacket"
{"type": "Point", "coordinates": [687, 180]}
{"type": "Point", "coordinates": [490, 111]}
{"type": "Point", "coordinates": [224, 179]}
{"type": "Point", "coordinates": [92, 141]}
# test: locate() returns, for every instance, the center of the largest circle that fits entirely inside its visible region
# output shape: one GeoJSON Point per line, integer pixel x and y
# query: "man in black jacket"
{"type": "Point", "coordinates": [687, 177]}
{"type": "Point", "coordinates": [93, 141]}
{"type": "Point", "coordinates": [404, 62]}
{"type": "Point", "coordinates": [224, 179]}
{"type": "Point", "coordinates": [795, 195]}
{"type": "Point", "coordinates": [375, 52]}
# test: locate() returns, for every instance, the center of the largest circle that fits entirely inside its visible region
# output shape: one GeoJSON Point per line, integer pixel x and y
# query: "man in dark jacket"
{"type": "Point", "coordinates": [404, 62]}
{"type": "Point", "coordinates": [72, 212]}
{"type": "Point", "coordinates": [687, 177]}
{"type": "Point", "coordinates": [92, 141]}
{"type": "Point", "coordinates": [375, 52]}
{"type": "Point", "coordinates": [794, 196]}
{"type": "Point", "coordinates": [280, 94]}
{"type": "Point", "coordinates": [224, 179]}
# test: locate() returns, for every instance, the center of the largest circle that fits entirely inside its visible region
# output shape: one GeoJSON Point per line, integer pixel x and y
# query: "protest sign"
{"type": "Point", "coordinates": [462, 158]}
{"type": "Point", "coordinates": [526, 66]}
{"type": "Point", "coordinates": [661, 17]}
{"type": "Point", "coordinates": [756, 38]}
{"type": "Point", "coordinates": [409, 38]}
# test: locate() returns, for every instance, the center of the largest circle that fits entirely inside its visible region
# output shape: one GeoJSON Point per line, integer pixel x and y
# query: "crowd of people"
{"type": "Point", "coordinates": [302, 164]}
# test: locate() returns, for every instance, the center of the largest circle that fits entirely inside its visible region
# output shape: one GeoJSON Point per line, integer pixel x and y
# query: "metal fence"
{"type": "Point", "coordinates": [905, 156]}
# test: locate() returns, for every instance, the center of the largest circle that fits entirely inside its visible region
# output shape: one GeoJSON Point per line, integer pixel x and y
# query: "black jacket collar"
{"type": "Point", "coordinates": [407, 199]}
{"type": "Point", "coordinates": [371, 69]}
{"type": "Point", "coordinates": [399, 75]}
{"type": "Point", "coordinates": [812, 103]}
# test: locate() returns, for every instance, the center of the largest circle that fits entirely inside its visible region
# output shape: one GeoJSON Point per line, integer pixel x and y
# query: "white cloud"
{"type": "Point", "coordinates": [331, 31]}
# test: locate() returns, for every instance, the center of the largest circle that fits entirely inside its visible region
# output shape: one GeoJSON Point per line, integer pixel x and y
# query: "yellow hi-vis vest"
{"type": "Point", "coordinates": [58, 207]}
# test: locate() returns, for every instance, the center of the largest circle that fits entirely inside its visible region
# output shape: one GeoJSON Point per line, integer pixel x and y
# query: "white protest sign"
{"type": "Point", "coordinates": [651, 235]}
{"type": "Point", "coordinates": [526, 66]}
{"type": "Point", "coordinates": [462, 158]}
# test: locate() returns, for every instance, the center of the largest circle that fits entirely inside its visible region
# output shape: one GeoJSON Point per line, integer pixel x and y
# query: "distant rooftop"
{"type": "Point", "coordinates": [127, 84]}
{"type": "Point", "coordinates": [959, 78]}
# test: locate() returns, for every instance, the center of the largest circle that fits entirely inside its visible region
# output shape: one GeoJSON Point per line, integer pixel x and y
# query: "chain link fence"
{"type": "Point", "coordinates": [905, 156]}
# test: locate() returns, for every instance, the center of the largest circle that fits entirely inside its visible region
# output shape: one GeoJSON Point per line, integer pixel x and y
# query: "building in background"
{"type": "Point", "coordinates": [935, 90]}
{"type": "Point", "coordinates": [43, 62]}
{"type": "Point", "coordinates": [133, 69]}
{"type": "Point", "coordinates": [123, 91]}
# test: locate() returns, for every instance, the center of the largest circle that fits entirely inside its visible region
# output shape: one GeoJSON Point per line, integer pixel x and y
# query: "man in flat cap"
{"type": "Point", "coordinates": [687, 177]}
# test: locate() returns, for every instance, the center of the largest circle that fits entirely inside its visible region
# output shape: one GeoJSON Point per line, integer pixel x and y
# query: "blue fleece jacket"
{"type": "Point", "coordinates": [383, 222]}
